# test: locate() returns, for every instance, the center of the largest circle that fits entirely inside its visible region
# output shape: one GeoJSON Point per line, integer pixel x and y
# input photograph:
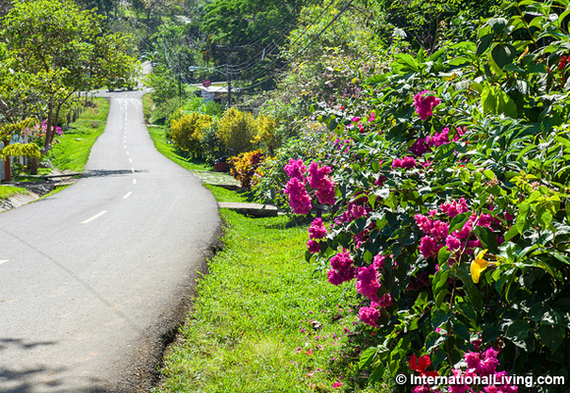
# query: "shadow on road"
{"type": "Point", "coordinates": [109, 173]}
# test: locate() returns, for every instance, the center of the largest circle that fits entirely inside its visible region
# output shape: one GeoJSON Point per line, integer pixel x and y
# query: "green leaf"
{"type": "Point", "coordinates": [498, 25]}
{"type": "Point", "coordinates": [524, 210]}
{"type": "Point", "coordinates": [552, 336]}
{"type": "Point", "coordinates": [503, 54]}
{"type": "Point", "coordinates": [483, 44]}
{"type": "Point", "coordinates": [439, 317]}
{"type": "Point", "coordinates": [461, 330]}
{"type": "Point", "coordinates": [367, 357]}
{"type": "Point", "coordinates": [518, 330]}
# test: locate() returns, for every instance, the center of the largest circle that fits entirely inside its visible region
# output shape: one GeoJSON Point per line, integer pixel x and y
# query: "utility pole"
{"type": "Point", "coordinates": [229, 51]}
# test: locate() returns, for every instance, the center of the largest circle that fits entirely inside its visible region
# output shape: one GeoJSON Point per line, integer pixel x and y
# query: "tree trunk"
{"type": "Point", "coordinates": [34, 166]}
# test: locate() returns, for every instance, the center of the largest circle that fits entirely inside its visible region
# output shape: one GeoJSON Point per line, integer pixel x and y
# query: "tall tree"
{"type": "Point", "coordinates": [56, 42]}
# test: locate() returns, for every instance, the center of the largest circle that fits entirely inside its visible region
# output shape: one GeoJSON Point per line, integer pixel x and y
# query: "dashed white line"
{"type": "Point", "coordinates": [134, 181]}
{"type": "Point", "coordinates": [133, 170]}
{"type": "Point", "coordinates": [128, 195]}
{"type": "Point", "coordinates": [128, 153]}
{"type": "Point", "coordinates": [131, 160]}
{"type": "Point", "coordinates": [4, 261]}
{"type": "Point", "coordinates": [96, 216]}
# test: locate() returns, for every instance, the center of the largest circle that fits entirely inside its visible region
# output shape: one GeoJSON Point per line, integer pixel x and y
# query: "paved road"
{"type": "Point", "coordinates": [93, 278]}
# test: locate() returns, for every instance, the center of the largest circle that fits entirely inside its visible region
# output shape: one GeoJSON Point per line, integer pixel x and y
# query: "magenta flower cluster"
{"type": "Point", "coordinates": [483, 365]}
{"type": "Point", "coordinates": [424, 103]}
{"type": "Point", "coordinates": [368, 284]}
{"type": "Point", "coordinates": [317, 231]}
{"type": "Point", "coordinates": [353, 212]}
{"type": "Point", "coordinates": [404, 163]}
{"type": "Point", "coordinates": [299, 198]}
{"type": "Point", "coordinates": [422, 145]}
{"type": "Point", "coordinates": [320, 181]}
{"type": "Point", "coordinates": [437, 231]}
{"type": "Point", "coordinates": [342, 268]}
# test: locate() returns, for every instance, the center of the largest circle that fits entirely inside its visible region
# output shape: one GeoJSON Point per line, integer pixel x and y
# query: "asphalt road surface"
{"type": "Point", "coordinates": [95, 278]}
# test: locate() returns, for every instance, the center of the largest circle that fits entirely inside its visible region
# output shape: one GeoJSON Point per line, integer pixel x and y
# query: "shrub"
{"type": "Point", "coordinates": [236, 130]}
{"type": "Point", "coordinates": [245, 166]}
{"type": "Point", "coordinates": [267, 133]}
{"type": "Point", "coordinates": [453, 208]}
{"type": "Point", "coordinates": [187, 132]}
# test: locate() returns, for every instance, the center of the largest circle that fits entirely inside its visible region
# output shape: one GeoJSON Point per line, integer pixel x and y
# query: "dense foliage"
{"type": "Point", "coordinates": [451, 205]}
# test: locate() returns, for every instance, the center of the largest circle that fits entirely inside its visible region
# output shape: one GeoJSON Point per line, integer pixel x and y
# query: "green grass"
{"type": "Point", "coordinates": [9, 191]}
{"type": "Point", "coordinates": [72, 150]}
{"type": "Point", "coordinates": [169, 150]}
{"type": "Point", "coordinates": [263, 321]}
{"type": "Point", "coordinates": [223, 195]}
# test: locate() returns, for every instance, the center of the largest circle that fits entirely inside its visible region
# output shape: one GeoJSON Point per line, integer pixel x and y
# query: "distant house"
{"type": "Point", "coordinates": [213, 93]}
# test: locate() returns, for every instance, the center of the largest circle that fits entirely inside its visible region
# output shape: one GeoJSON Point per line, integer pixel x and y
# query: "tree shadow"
{"type": "Point", "coordinates": [110, 172]}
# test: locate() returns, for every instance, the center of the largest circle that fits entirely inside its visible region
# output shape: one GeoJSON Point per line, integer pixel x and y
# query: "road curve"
{"type": "Point", "coordinates": [93, 277]}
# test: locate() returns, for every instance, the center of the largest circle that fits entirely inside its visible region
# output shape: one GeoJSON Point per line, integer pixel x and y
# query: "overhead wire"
{"type": "Point", "coordinates": [302, 50]}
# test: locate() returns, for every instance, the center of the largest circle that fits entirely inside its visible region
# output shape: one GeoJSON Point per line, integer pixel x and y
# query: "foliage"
{"type": "Point", "coordinates": [256, 27]}
{"type": "Point", "coordinates": [244, 168]}
{"type": "Point", "coordinates": [28, 150]}
{"type": "Point", "coordinates": [187, 132]}
{"type": "Point", "coordinates": [236, 130]}
{"type": "Point", "coordinates": [9, 191]}
{"type": "Point", "coordinates": [267, 133]}
{"type": "Point", "coordinates": [451, 204]}
{"type": "Point", "coordinates": [71, 151]}
{"type": "Point", "coordinates": [58, 53]}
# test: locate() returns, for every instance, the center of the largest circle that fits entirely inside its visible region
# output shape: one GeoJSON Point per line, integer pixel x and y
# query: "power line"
{"type": "Point", "coordinates": [302, 50]}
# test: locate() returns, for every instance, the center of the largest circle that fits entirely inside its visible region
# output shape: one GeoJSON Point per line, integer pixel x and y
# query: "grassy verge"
{"type": "Point", "coordinates": [9, 191]}
{"type": "Point", "coordinates": [263, 321]}
{"type": "Point", "coordinates": [72, 150]}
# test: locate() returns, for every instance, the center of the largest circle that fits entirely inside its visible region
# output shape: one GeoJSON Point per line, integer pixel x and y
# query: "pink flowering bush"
{"type": "Point", "coordinates": [296, 188]}
{"type": "Point", "coordinates": [434, 225]}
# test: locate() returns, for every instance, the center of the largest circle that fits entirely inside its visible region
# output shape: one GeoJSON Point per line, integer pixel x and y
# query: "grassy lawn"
{"type": "Point", "coordinates": [263, 320]}
{"type": "Point", "coordinates": [72, 150]}
{"type": "Point", "coordinates": [9, 191]}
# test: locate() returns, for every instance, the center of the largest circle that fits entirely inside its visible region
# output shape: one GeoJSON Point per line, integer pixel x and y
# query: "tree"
{"type": "Point", "coordinates": [257, 25]}
{"type": "Point", "coordinates": [57, 45]}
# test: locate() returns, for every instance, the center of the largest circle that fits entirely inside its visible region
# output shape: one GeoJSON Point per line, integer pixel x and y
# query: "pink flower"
{"type": "Point", "coordinates": [355, 119]}
{"type": "Point", "coordinates": [372, 117]}
{"type": "Point", "coordinates": [367, 282]}
{"type": "Point", "coordinates": [313, 246]}
{"type": "Point", "coordinates": [299, 199]}
{"type": "Point", "coordinates": [296, 169]}
{"type": "Point", "coordinates": [455, 207]}
{"type": "Point", "coordinates": [384, 301]}
{"type": "Point", "coordinates": [378, 262]}
{"type": "Point", "coordinates": [320, 181]}
{"type": "Point", "coordinates": [452, 243]}
{"type": "Point", "coordinates": [337, 385]}
{"type": "Point", "coordinates": [429, 247]}
{"type": "Point", "coordinates": [317, 230]}
{"type": "Point", "coordinates": [405, 163]}
{"type": "Point", "coordinates": [369, 315]}
{"type": "Point", "coordinates": [342, 270]}
{"type": "Point", "coordinates": [424, 104]}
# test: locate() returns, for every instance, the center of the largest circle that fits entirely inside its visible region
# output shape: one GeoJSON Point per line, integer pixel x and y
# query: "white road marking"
{"type": "Point", "coordinates": [134, 181]}
{"type": "Point", "coordinates": [4, 261]}
{"type": "Point", "coordinates": [133, 170]}
{"type": "Point", "coordinates": [96, 216]}
{"type": "Point", "coordinates": [128, 153]}
{"type": "Point", "coordinates": [128, 195]}
{"type": "Point", "coordinates": [130, 160]}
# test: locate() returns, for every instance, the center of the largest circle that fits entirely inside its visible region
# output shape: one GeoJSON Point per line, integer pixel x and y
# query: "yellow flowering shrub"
{"type": "Point", "coordinates": [236, 130]}
{"type": "Point", "coordinates": [187, 132]}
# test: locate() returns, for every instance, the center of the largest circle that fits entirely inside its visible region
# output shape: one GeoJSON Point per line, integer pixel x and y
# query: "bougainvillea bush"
{"type": "Point", "coordinates": [451, 210]}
